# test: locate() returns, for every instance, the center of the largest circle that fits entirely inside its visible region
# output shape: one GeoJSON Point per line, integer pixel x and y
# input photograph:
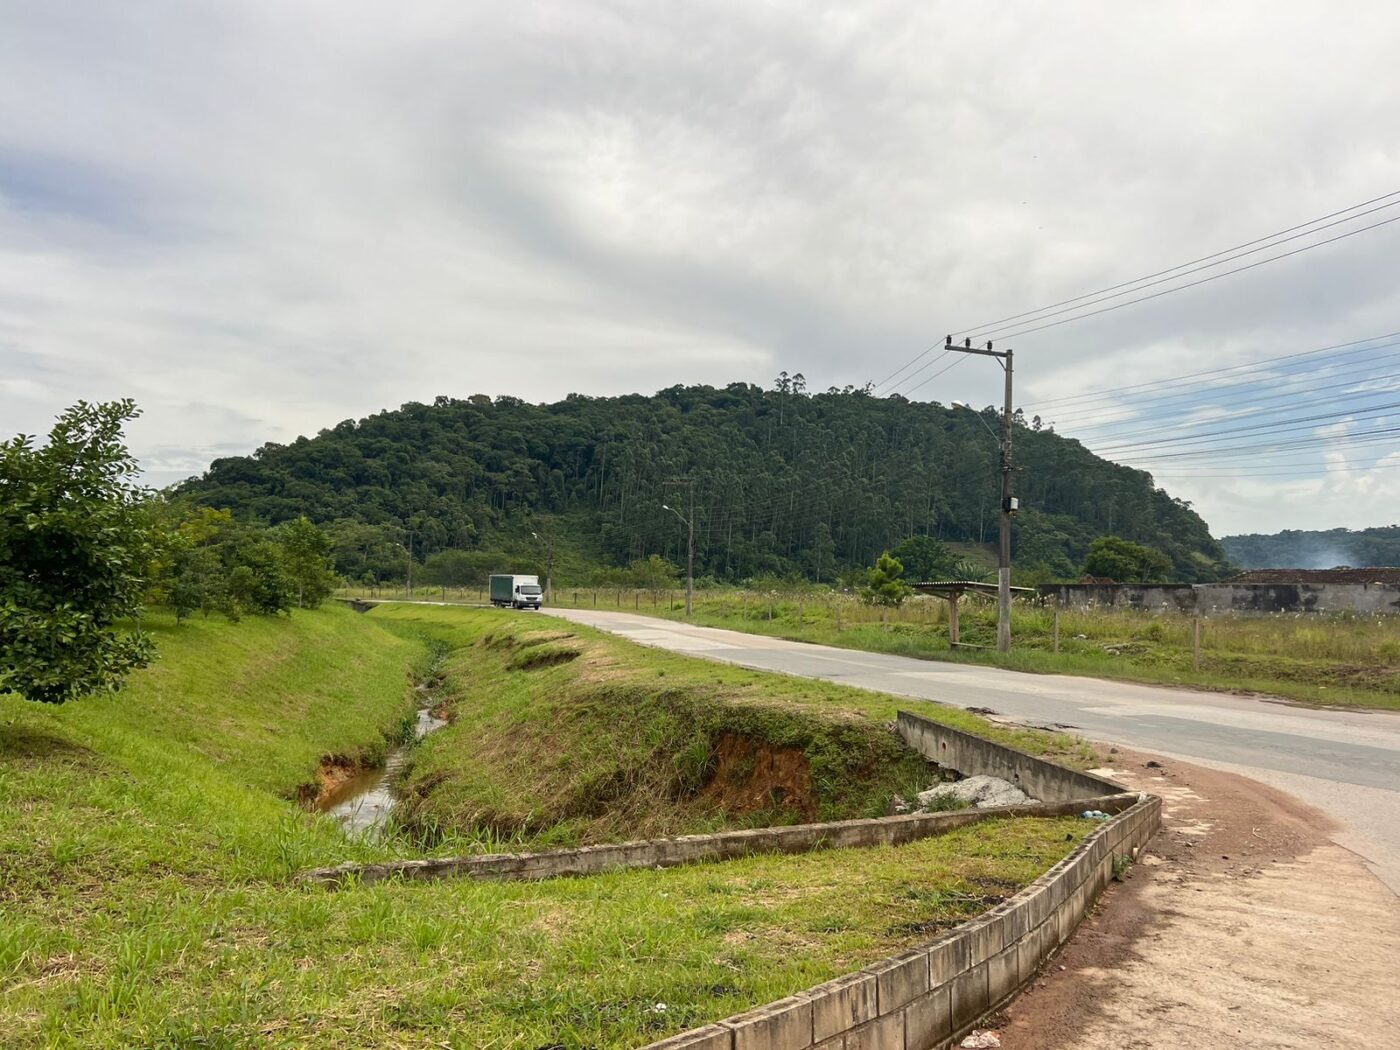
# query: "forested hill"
{"type": "Point", "coordinates": [1295, 549]}
{"type": "Point", "coordinates": [785, 481]}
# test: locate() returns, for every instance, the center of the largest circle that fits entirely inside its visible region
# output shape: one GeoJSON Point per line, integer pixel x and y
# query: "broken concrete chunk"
{"type": "Point", "coordinates": [980, 791]}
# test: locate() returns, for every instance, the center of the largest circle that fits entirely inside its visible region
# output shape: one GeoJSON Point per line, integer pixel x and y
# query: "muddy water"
{"type": "Point", "coordinates": [363, 803]}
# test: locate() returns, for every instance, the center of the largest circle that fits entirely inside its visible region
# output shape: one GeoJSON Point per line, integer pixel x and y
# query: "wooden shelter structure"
{"type": "Point", "coordinates": [952, 591]}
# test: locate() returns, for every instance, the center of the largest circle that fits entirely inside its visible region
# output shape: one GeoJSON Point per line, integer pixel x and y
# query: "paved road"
{"type": "Point", "coordinates": [1345, 763]}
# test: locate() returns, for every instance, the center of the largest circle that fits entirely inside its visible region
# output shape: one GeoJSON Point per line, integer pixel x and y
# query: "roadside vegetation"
{"type": "Point", "coordinates": [1338, 659]}
{"type": "Point", "coordinates": [562, 735]}
{"type": "Point", "coordinates": [148, 839]}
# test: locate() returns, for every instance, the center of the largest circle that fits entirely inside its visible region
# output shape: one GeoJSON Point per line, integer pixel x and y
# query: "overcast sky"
{"type": "Point", "coordinates": [261, 218]}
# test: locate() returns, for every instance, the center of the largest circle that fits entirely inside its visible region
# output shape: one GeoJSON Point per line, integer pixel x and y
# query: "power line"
{"type": "Point", "coordinates": [927, 364]}
{"type": "Point", "coordinates": [1125, 287]}
{"type": "Point", "coordinates": [1197, 283]}
{"type": "Point", "coordinates": [1249, 407]}
{"type": "Point", "coordinates": [1330, 469]}
{"type": "Point", "coordinates": [1094, 297]}
{"type": "Point", "coordinates": [906, 364]}
{"type": "Point", "coordinates": [1180, 266]}
{"type": "Point", "coordinates": [1355, 346]}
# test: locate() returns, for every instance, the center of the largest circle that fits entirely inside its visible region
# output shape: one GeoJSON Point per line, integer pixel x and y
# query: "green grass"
{"type": "Point", "coordinates": [567, 735]}
{"type": "Point", "coordinates": [564, 736]}
{"type": "Point", "coordinates": [1323, 660]}
{"type": "Point", "coordinates": [147, 839]}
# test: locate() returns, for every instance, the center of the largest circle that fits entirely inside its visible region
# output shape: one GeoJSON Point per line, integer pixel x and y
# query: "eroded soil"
{"type": "Point", "coordinates": [753, 775]}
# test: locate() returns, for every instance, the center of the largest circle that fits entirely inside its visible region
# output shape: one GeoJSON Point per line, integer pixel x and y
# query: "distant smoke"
{"type": "Point", "coordinates": [1319, 556]}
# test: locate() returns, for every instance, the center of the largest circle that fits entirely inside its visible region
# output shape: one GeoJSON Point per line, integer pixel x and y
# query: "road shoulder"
{"type": "Point", "coordinates": [1242, 924]}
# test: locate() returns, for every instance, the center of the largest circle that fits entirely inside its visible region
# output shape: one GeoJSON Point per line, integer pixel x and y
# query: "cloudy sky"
{"type": "Point", "coordinates": [261, 218]}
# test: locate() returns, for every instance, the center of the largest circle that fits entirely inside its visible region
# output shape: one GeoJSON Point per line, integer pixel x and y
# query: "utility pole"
{"type": "Point", "coordinates": [1009, 505]}
{"type": "Point", "coordinates": [548, 564]}
{"type": "Point", "coordinates": [689, 520]}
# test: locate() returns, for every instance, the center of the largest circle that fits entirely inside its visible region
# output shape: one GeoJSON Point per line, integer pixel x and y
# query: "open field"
{"type": "Point", "coordinates": [147, 842]}
{"type": "Point", "coordinates": [1320, 660]}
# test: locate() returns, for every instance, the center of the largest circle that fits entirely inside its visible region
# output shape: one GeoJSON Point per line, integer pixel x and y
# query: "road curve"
{"type": "Point", "coordinates": [1346, 763]}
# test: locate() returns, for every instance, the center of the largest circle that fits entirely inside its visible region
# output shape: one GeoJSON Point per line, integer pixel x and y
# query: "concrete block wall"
{"type": "Point", "coordinates": [931, 996]}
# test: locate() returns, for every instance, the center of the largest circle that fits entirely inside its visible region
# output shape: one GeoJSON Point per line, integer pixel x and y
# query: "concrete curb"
{"type": "Point", "coordinates": [691, 849]}
{"type": "Point", "coordinates": [922, 999]}
{"type": "Point", "coordinates": [931, 996]}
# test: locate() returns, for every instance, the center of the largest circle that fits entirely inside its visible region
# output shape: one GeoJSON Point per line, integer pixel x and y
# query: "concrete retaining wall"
{"type": "Point", "coordinates": [1139, 597]}
{"type": "Point", "coordinates": [970, 754]}
{"type": "Point", "coordinates": [1216, 598]}
{"type": "Point", "coordinates": [929, 997]}
{"type": "Point", "coordinates": [690, 849]}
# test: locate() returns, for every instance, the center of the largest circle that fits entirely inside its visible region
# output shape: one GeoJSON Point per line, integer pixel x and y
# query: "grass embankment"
{"type": "Point", "coordinates": [562, 736]}
{"type": "Point", "coordinates": [147, 839]}
{"type": "Point", "coordinates": [565, 735]}
{"type": "Point", "coordinates": [1314, 659]}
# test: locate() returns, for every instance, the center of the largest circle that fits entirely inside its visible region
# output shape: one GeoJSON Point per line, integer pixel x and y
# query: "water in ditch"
{"type": "Point", "coordinates": [363, 803]}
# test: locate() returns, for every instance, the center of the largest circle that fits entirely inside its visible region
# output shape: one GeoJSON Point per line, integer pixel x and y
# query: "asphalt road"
{"type": "Point", "coordinates": [1344, 763]}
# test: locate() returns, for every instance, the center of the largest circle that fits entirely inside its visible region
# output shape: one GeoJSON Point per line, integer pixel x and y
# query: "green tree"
{"type": "Point", "coordinates": [306, 559]}
{"type": "Point", "coordinates": [1125, 561]}
{"type": "Point", "coordinates": [885, 585]}
{"type": "Point", "coordinates": [75, 547]}
{"type": "Point", "coordinates": [821, 552]}
{"type": "Point", "coordinates": [924, 558]}
{"type": "Point", "coordinates": [198, 583]}
{"type": "Point", "coordinates": [654, 573]}
{"type": "Point", "coordinates": [257, 578]}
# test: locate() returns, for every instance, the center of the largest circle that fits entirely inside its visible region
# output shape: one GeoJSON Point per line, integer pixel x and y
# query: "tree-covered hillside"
{"type": "Point", "coordinates": [1297, 549]}
{"type": "Point", "coordinates": [785, 481]}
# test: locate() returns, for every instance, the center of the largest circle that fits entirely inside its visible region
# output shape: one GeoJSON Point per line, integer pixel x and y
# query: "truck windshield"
{"type": "Point", "coordinates": [528, 588]}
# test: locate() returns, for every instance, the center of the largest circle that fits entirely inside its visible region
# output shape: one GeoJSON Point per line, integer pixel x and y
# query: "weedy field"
{"type": "Point", "coordinates": [148, 841]}
{"type": "Point", "coordinates": [1338, 659]}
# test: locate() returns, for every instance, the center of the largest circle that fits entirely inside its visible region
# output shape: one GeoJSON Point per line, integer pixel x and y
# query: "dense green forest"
{"type": "Point", "coordinates": [786, 482]}
{"type": "Point", "coordinates": [1297, 549]}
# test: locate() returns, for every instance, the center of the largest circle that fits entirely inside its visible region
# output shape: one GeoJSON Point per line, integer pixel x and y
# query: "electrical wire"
{"type": "Point", "coordinates": [1127, 287]}
{"type": "Point", "coordinates": [1140, 285]}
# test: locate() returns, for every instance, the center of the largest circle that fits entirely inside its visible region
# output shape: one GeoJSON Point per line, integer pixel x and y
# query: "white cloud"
{"type": "Point", "coordinates": [301, 213]}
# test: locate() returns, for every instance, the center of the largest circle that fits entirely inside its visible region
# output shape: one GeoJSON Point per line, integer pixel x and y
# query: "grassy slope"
{"type": "Point", "coordinates": [618, 741]}
{"type": "Point", "coordinates": [145, 842]}
{"type": "Point", "coordinates": [1324, 661]}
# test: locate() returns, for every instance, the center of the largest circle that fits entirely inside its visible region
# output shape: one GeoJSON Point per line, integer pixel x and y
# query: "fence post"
{"type": "Point", "coordinates": [885, 617]}
{"type": "Point", "coordinates": [636, 599]}
{"type": "Point", "coordinates": [1196, 642]}
{"type": "Point", "coordinates": [1057, 630]}
{"type": "Point", "coordinates": [746, 607]}
{"type": "Point", "coordinates": [799, 612]}
{"type": "Point", "coordinates": [837, 607]}
{"type": "Point", "coordinates": [770, 610]}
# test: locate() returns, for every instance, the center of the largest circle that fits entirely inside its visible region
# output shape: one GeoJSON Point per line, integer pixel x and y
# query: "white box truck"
{"type": "Point", "coordinates": [516, 592]}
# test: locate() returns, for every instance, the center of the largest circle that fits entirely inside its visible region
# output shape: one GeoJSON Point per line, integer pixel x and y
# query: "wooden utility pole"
{"type": "Point", "coordinates": [1009, 505]}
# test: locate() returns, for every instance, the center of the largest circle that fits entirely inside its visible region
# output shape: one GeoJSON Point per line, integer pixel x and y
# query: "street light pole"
{"type": "Point", "coordinates": [690, 553]}
{"type": "Point", "coordinates": [548, 565]}
{"type": "Point", "coordinates": [1008, 500]}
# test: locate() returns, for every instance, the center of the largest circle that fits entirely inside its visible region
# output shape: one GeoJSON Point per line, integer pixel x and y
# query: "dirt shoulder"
{"type": "Point", "coordinates": [1243, 925]}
